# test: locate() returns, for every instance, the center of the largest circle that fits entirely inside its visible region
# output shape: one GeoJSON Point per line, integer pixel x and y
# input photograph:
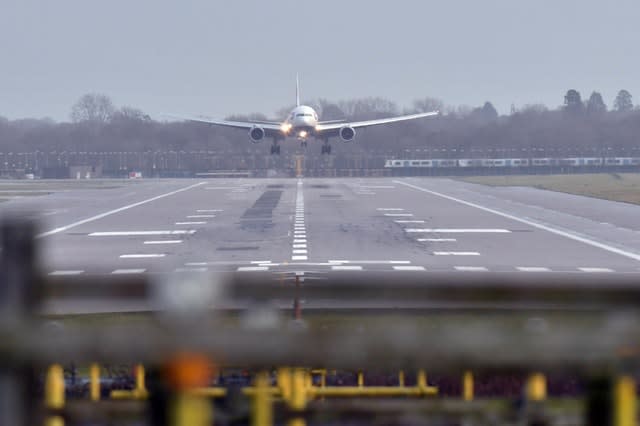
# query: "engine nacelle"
{"type": "Point", "coordinates": [347, 133]}
{"type": "Point", "coordinates": [256, 134]}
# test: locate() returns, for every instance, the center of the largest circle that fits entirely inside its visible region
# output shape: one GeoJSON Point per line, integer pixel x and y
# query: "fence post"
{"type": "Point", "coordinates": [54, 394]}
{"type": "Point", "coordinates": [262, 413]}
{"type": "Point", "coordinates": [467, 386]}
{"type": "Point", "coordinates": [625, 405]}
{"type": "Point", "coordinates": [94, 378]}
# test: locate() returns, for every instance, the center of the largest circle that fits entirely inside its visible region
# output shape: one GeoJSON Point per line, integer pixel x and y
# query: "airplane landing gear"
{"type": "Point", "coordinates": [275, 149]}
{"type": "Point", "coordinates": [326, 149]}
{"type": "Point", "coordinates": [303, 144]}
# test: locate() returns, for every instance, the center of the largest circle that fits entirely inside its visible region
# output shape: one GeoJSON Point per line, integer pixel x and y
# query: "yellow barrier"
{"type": "Point", "coordinates": [625, 401]}
{"type": "Point", "coordinates": [536, 388]}
{"type": "Point", "coordinates": [94, 382]}
{"type": "Point", "coordinates": [54, 394]}
{"type": "Point", "coordinates": [467, 386]}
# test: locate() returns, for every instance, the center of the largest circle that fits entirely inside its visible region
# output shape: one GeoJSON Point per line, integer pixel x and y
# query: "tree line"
{"type": "Point", "coordinates": [581, 126]}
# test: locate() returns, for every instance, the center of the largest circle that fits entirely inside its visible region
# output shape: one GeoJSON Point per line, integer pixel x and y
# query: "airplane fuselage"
{"type": "Point", "coordinates": [301, 122]}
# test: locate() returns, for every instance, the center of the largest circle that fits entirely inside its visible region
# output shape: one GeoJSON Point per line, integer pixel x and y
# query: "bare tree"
{"type": "Point", "coordinates": [94, 108]}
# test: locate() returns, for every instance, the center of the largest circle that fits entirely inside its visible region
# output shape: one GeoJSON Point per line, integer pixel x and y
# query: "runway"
{"type": "Point", "coordinates": [391, 225]}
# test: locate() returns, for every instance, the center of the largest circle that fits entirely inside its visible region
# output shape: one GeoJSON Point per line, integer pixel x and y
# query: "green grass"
{"type": "Point", "coordinates": [624, 187]}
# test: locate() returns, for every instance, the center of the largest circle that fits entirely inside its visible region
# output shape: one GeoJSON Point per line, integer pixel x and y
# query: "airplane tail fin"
{"type": "Point", "coordinates": [297, 90]}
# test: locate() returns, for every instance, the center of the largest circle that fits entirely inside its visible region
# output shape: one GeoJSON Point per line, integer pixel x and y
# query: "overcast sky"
{"type": "Point", "coordinates": [222, 57]}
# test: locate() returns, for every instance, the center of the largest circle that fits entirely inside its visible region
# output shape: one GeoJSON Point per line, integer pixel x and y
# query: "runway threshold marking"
{"type": "Point", "coordinates": [409, 221]}
{"type": "Point", "coordinates": [208, 210]}
{"type": "Point", "coordinates": [346, 268]}
{"type": "Point", "coordinates": [142, 255]}
{"type": "Point", "coordinates": [456, 253]}
{"type": "Point", "coordinates": [533, 269]}
{"type": "Point", "coordinates": [471, 268]}
{"type": "Point", "coordinates": [141, 233]}
{"type": "Point", "coordinates": [163, 242]}
{"type": "Point", "coordinates": [66, 273]}
{"type": "Point", "coordinates": [253, 268]}
{"type": "Point", "coordinates": [398, 214]}
{"type": "Point", "coordinates": [625, 253]}
{"type": "Point", "coordinates": [595, 270]}
{"type": "Point", "coordinates": [409, 268]}
{"type": "Point", "coordinates": [114, 211]}
{"type": "Point", "coordinates": [201, 216]}
{"type": "Point", "coordinates": [191, 223]}
{"type": "Point", "coordinates": [458, 230]}
{"type": "Point", "coordinates": [128, 271]}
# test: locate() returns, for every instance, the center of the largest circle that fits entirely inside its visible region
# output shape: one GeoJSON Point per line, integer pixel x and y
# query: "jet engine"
{"type": "Point", "coordinates": [347, 133]}
{"type": "Point", "coordinates": [256, 134]}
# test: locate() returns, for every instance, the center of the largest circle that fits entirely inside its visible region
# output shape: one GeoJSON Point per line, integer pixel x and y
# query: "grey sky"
{"type": "Point", "coordinates": [222, 57]}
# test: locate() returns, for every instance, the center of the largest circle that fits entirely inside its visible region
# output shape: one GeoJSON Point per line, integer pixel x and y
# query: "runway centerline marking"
{"type": "Point", "coordinates": [141, 233]}
{"type": "Point", "coordinates": [409, 221]}
{"type": "Point", "coordinates": [191, 223]}
{"type": "Point", "coordinates": [398, 214]}
{"type": "Point", "coordinates": [208, 211]}
{"type": "Point", "coordinates": [385, 209]}
{"type": "Point", "coordinates": [163, 242]}
{"type": "Point", "coordinates": [142, 255]}
{"type": "Point", "coordinates": [201, 216]}
{"type": "Point", "coordinates": [437, 240]}
{"type": "Point", "coordinates": [628, 254]}
{"type": "Point", "coordinates": [458, 230]}
{"type": "Point", "coordinates": [298, 257]}
{"type": "Point", "coordinates": [114, 211]}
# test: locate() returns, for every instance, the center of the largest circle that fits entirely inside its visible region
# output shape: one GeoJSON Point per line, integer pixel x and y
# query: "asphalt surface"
{"type": "Point", "coordinates": [391, 225]}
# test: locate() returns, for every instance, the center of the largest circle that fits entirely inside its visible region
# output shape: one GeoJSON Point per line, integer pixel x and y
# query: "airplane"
{"type": "Point", "coordinates": [303, 123]}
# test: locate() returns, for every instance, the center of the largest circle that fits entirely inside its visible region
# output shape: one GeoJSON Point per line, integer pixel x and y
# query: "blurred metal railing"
{"type": "Point", "coordinates": [182, 345]}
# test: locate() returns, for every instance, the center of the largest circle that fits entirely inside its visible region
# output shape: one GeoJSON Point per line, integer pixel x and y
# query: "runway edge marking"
{"type": "Point", "coordinates": [118, 210]}
{"type": "Point", "coordinates": [574, 237]}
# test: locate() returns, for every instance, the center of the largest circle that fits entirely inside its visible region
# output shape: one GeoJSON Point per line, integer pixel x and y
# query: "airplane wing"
{"type": "Point", "coordinates": [335, 127]}
{"type": "Point", "coordinates": [270, 128]}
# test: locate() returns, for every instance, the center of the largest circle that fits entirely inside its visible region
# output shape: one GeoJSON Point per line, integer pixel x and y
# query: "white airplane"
{"type": "Point", "coordinates": [302, 123]}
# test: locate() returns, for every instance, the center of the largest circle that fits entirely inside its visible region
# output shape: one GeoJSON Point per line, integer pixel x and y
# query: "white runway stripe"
{"type": "Point", "coordinates": [437, 240]}
{"type": "Point", "coordinates": [142, 255]}
{"type": "Point", "coordinates": [471, 268]}
{"type": "Point", "coordinates": [118, 210]}
{"type": "Point", "coordinates": [208, 210]}
{"type": "Point", "coordinates": [299, 246]}
{"type": "Point", "coordinates": [300, 240]}
{"type": "Point", "coordinates": [191, 223]}
{"type": "Point", "coordinates": [385, 209]}
{"type": "Point", "coordinates": [201, 216]}
{"type": "Point", "coordinates": [458, 230]}
{"type": "Point", "coordinates": [409, 268]}
{"type": "Point", "coordinates": [63, 273]}
{"type": "Point", "coordinates": [346, 268]}
{"type": "Point", "coordinates": [296, 257]}
{"type": "Point", "coordinates": [409, 221]}
{"type": "Point", "coordinates": [128, 271]}
{"type": "Point", "coordinates": [398, 214]}
{"type": "Point", "coordinates": [533, 269]}
{"type": "Point", "coordinates": [456, 253]}
{"type": "Point", "coordinates": [373, 262]}
{"type": "Point", "coordinates": [163, 242]}
{"type": "Point", "coordinates": [141, 233]}
{"type": "Point", "coordinates": [596, 270]}
{"type": "Point", "coordinates": [593, 243]}
{"type": "Point", "coordinates": [252, 268]}
{"type": "Point", "coordinates": [299, 251]}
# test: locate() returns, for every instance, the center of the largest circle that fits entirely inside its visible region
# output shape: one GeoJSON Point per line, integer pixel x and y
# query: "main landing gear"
{"type": "Point", "coordinates": [326, 149]}
{"type": "Point", "coordinates": [303, 144]}
{"type": "Point", "coordinates": [275, 149]}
